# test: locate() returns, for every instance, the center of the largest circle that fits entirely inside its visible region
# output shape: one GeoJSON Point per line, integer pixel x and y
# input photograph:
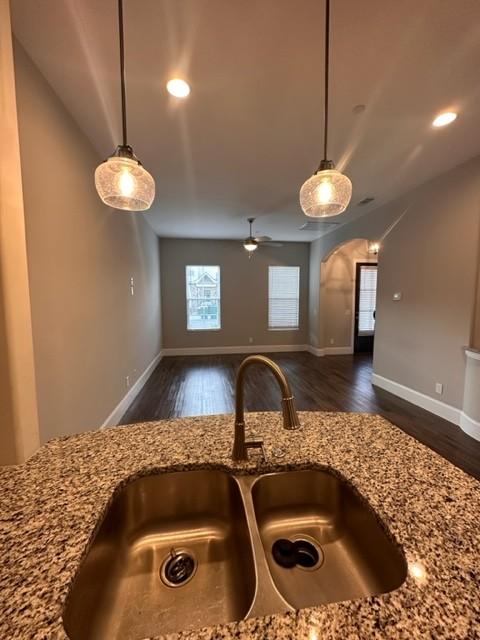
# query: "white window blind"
{"type": "Point", "coordinates": [367, 299]}
{"type": "Point", "coordinates": [283, 297]}
{"type": "Point", "coordinates": [203, 297]}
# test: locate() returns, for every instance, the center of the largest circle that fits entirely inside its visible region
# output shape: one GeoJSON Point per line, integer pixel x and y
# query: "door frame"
{"type": "Point", "coordinates": [373, 261]}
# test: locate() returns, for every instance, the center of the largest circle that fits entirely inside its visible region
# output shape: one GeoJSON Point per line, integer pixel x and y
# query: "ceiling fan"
{"type": "Point", "coordinates": [251, 243]}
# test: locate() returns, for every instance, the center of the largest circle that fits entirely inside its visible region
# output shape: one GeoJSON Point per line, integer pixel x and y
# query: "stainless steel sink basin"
{"type": "Point", "coordinates": [352, 556]}
{"type": "Point", "coordinates": [124, 588]}
{"type": "Point", "coordinates": [180, 551]}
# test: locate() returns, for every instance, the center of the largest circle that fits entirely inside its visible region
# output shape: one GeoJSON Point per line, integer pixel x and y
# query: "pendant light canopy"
{"type": "Point", "coordinates": [327, 192]}
{"type": "Point", "coordinates": [121, 181]}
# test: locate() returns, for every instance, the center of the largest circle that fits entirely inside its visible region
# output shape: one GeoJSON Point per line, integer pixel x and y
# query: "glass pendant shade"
{"type": "Point", "coordinates": [250, 244]}
{"type": "Point", "coordinates": [122, 183]}
{"type": "Point", "coordinates": [326, 193]}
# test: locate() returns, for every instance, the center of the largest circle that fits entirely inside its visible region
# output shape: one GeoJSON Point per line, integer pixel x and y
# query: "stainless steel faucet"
{"type": "Point", "coordinates": [290, 418]}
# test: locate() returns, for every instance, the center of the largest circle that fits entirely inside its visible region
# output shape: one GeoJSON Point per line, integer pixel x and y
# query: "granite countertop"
{"type": "Point", "coordinates": [50, 506]}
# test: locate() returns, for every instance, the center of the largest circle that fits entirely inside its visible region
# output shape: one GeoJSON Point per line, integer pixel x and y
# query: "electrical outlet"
{"type": "Point", "coordinates": [250, 340]}
{"type": "Point", "coordinates": [332, 341]}
{"type": "Point", "coordinates": [132, 287]}
{"type": "Point", "coordinates": [127, 381]}
{"type": "Point", "coordinates": [439, 388]}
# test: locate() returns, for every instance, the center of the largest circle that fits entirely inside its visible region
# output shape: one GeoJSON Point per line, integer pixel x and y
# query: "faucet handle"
{"type": "Point", "coordinates": [256, 443]}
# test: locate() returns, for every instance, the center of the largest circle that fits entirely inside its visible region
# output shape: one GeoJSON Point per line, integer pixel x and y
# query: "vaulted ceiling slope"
{"type": "Point", "coordinates": [250, 133]}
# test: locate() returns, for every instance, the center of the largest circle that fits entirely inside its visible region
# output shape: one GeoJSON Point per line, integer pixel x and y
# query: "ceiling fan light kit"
{"type": "Point", "coordinates": [251, 242]}
{"type": "Point", "coordinates": [121, 180]}
{"type": "Point", "coordinates": [328, 191]}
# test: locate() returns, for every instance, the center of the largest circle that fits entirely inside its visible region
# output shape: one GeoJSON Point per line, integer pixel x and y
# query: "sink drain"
{"type": "Point", "coordinates": [178, 568]}
{"type": "Point", "coordinates": [283, 552]}
{"type": "Point", "coordinates": [306, 554]}
{"type": "Point", "coordinates": [302, 552]}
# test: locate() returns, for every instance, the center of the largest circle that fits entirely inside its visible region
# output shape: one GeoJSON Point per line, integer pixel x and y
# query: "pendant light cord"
{"type": "Point", "coordinates": [122, 72]}
{"type": "Point", "coordinates": [327, 65]}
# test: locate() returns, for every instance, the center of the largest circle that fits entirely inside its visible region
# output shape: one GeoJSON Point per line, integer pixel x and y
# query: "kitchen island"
{"type": "Point", "coordinates": [50, 508]}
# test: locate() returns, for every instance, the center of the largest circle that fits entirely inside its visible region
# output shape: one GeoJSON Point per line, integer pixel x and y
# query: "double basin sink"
{"type": "Point", "coordinates": [184, 550]}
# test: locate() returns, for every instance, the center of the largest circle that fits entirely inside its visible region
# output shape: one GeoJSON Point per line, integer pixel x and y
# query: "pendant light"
{"type": "Point", "coordinates": [121, 181]}
{"type": "Point", "coordinates": [327, 192]}
{"type": "Point", "coordinates": [250, 244]}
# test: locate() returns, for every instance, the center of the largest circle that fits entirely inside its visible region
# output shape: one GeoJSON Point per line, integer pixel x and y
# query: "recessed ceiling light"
{"type": "Point", "coordinates": [444, 118]}
{"type": "Point", "coordinates": [178, 88]}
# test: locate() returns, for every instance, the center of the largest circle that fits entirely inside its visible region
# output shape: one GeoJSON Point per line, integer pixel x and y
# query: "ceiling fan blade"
{"type": "Point", "coordinates": [263, 239]}
{"type": "Point", "coordinates": [273, 244]}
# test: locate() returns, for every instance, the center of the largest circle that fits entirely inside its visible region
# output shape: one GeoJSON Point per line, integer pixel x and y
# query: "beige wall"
{"type": "Point", "coordinates": [315, 318]}
{"type": "Point", "coordinates": [244, 292]}
{"type": "Point", "coordinates": [475, 341]}
{"type": "Point", "coordinates": [89, 332]}
{"type": "Point", "coordinates": [476, 326]}
{"type": "Point", "coordinates": [431, 257]}
{"type": "Point", "coordinates": [18, 407]}
{"type": "Point", "coordinates": [8, 448]}
{"type": "Point", "coordinates": [337, 290]}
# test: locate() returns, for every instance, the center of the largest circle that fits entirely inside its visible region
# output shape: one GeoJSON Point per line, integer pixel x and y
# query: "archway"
{"type": "Point", "coordinates": [347, 288]}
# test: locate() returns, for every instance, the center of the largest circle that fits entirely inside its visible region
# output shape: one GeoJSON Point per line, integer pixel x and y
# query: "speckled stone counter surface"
{"type": "Point", "coordinates": [50, 506]}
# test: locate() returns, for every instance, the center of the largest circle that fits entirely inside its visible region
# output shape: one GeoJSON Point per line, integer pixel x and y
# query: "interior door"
{"type": "Point", "coordinates": [365, 305]}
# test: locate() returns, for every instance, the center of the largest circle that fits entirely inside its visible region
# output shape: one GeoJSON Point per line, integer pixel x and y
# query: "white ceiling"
{"type": "Point", "coordinates": [251, 131]}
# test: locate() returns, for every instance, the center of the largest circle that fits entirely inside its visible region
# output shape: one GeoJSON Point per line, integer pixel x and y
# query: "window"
{"type": "Point", "coordinates": [367, 299]}
{"type": "Point", "coordinates": [203, 297]}
{"type": "Point", "coordinates": [283, 293]}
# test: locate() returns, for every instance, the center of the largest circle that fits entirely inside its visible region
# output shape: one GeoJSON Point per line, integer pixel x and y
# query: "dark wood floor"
{"type": "Point", "coordinates": [204, 385]}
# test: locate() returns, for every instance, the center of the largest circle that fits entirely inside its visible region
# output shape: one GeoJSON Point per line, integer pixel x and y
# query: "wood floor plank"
{"type": "Point", "coordinates": [204, 385]}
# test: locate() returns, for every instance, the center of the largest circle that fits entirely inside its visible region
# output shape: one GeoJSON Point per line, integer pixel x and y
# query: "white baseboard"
{"type": "Point", "coordinates": [132, 393]}
{"type": "Point", "coordinates": [329, 351]}
{"type": "Point", "coordinates": [210, 351]}
{"type": "Point", "coordinates": [259, 348]}
{"type": "Point", "coordinates": [316, 351]}
{"type": "Point", "coordinates": [470, 426]}
{"type": "Point", "coordinates": [338, 351]}
{"type": "Point", "coordinates": [446, 411]}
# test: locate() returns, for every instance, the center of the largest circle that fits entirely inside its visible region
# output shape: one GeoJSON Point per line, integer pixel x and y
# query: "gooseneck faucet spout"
{"type": "Point", "coordinates": [290, 418]}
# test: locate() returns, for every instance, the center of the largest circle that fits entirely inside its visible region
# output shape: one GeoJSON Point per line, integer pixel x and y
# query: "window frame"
{"type": "Point", "coordinates": [283, 266]}
{"type": "Point", "coordinates": [365, 333]}
{"type": "Point", "coordinates": [187, 299]}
